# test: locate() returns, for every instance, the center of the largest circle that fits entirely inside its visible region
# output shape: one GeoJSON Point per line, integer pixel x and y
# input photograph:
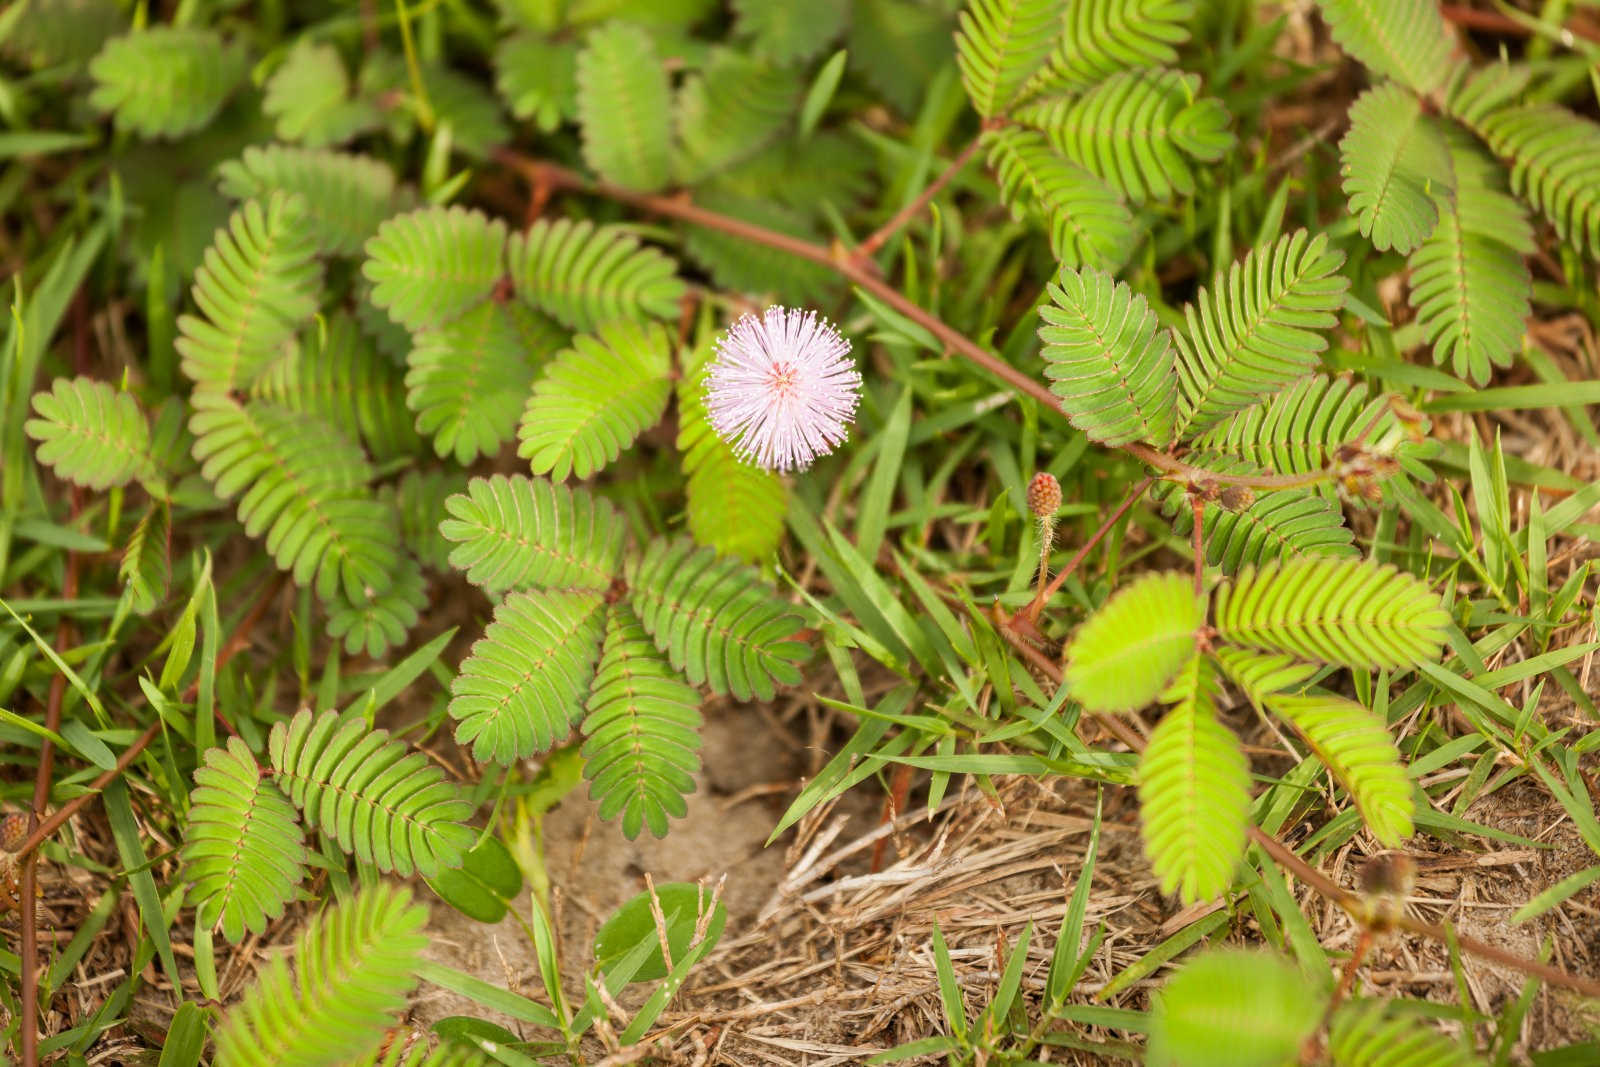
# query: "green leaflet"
{"type": "Point", "coordinates": [715, 620]}
{"type": "Point", "coordinates": [1257, 328]}
{"type": "Point", "coordinates": [1340, 611]}
{"type": "Point", "coordinates": [1194, 791]}
{"type": "Point", "coordinates": [517, 532]}
{"type": "Point", "coordinates": [344, 197]}
{"type": "Point", "coordinates": [354, 967]}
{"type": "Point", "coordinates": [641, 742]}
{"type": "Point", "coordinates": [1393, 160]}
{"type": "Point", "coordinates": [1469, 283]}
{"type": "Point", "coordinates": [1234, 1008]}
{"type": "Point", "coordinates": [1124, 655]}
{"type": "Point", "coordinates": [258, 285]}
{"type": "Point", "coordinates": [165, 81]}
{"type": "Point", "coordinates": [1355, 746]}
{"type": "Point", "coordinates": [999, 45]}
{"type": "Point", "coordinates": [595, 398]}
{"type": "Point", "coordinates": [1107, 360]}
{"type": "Point", "coordinates": [523, 686]}
{"type": "Point", "coordinates": [623, 103]}
{"type": "Point", "coordinates": [1404, 39]}
{"type": "Point", "coordinates": [430, 266]}
{"type": "Point", "coordinates": [382, 803]}
{"type": "Point", "coordinates": [243, 849]}
{"type": "Point", "coordinates": [91, 434]}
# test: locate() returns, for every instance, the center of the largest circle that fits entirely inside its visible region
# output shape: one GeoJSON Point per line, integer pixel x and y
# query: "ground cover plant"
{"type": "Point", "coordinates": [799, 531]}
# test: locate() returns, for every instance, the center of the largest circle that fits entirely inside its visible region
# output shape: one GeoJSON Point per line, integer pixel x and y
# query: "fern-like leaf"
{"type": "Point", "coordinates": [1347, 612]}
{"type": "Point", "coordinates": [1088, 223]}
{"type": "Point", "coordinates": [418, 497]}
{"type": "Point", "coordinates": [1273, 526]}
{"type": "Point", "coordinates": [594, 398]}
{"type": "Point", "coordinates": [146, 566]}
{"type": "Point", "coordinates": [309, 100]}
{"type": "Point", "coordinates": [1255, 330]}
{"type": "Point", "coordinates": [1123, 655]}
{"type": "Point", "coordinates": [356, 964]}
{"type": "Point", "coordinates": [429, 266]}
{"type": "Point", "coordinates": [1194, 791]}
{"type": "Point", "coordinates": [1108, 359]}
{"type": "Point", "coordinates": [585, 275]}
{"type": "Point", "coordinates": [517, 532]}
{"type": "Point", "coordinates": [716, 620]}
{"type": "Point", "coordinates": [1259, 674]}
{"type": "Point", "coordinates": [48, 32]}
{"type": "Point", "coordinates": [258, 284]}
{"type": "Point", "coordinates": [1356, 748]}
{"type": "Point", "coordinates": [337, 374]}
{"type": "Point", "coordinates": [522, 688]}
{"type": "Point", "coordinates": [623, 107]}
{"type": "Point", "coordinates": [385, 805]}
{"type": "Point", "coordinates": [1469, 284]}
{"type": "Point", "coordinates": [379, 621]}
{"type": "Point", "coordinates": [1404, 39]}
{"type": "Point", "coordinates": [730, 112]}
{"type": "Point", "coordinates": [735, 507]}
{"type": "Point", "coordinates": [640, 752]}
{"type": "Point", "coordinates": [469, 377]}
{"type": "Point", "coordinates": [303, 486]}
{"type": "Point", "coordinates": [1307, 426]}
{"type": "Point", "coordinates": [1393, 161]}
{"type": "Point", "coordinates": [344, 196]}
{"type": "Point", "coordinates": [1100, 38]}
{"type": "Point", "coordinates": [538, 79]}
{"type": "Point", "coordinates": [999, 45]}
{"type": "Point", "coordinates": [1367, 1033]}
{"type": "Point", "coordinates": [165, 81]}
{"type": "Point", "coordinates": [790, 31]}
{"type": "Point", "coordinates": [243, 849]}
{"type": "Point", "coordinates": [1137, 130]}
{"type": "Point", "coordinates": [91, 434]}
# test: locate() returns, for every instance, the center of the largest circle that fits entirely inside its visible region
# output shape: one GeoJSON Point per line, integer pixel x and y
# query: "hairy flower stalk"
{"type": "Point", "coordinates": [1044, 500]}
{"type": "Point", "coordinates": [783, 388]}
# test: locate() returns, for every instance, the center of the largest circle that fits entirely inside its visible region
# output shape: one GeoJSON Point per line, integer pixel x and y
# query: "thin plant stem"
{"type": "Point", "coordinates": [1045, 593]}
{"type": "Point", "coordinates": [837, 259]}
{"type": "Point", "coordinates": [876, 240]}
{"type": "Point", "coordinates": [1199, 546]}
{"type": "Point", "coordinates": [414, 68]}
{"type": "Point", "coordinates": [1047, 536]}
{"type": "Point", "coordinates": [41, 796]}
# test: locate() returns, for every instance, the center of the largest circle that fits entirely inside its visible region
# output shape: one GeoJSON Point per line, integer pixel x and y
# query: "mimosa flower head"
{"type": "Point", "coordinates": [783, 388]}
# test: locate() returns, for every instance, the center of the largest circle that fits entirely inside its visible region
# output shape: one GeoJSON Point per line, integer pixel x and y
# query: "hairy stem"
{"type": "Point", "coordinates": [555, 176]}
{"type": "Point", "coordinates": [1046, 592]}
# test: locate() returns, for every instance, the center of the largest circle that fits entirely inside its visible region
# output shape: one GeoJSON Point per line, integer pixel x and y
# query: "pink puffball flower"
{"type": "Point", "coordinates": [783, 388]}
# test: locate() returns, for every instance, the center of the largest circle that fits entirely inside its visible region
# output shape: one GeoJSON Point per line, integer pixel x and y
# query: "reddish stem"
{"type": "Point", "coordinates": [869, 247]}
{"type": "Point", "coordinates": [1037, 605]}
{"type": "Point", "coordinates": [842, 262]}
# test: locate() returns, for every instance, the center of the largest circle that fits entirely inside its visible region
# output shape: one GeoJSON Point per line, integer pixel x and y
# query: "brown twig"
{"type": "Point", "coordinates": [41, 796]}
{"type": "Point", "coordinates": [842, 262]}
{"type": "Point", "coordinates": [1494, 22]}
{"type": "Point", "coordinates": [869, 247]}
